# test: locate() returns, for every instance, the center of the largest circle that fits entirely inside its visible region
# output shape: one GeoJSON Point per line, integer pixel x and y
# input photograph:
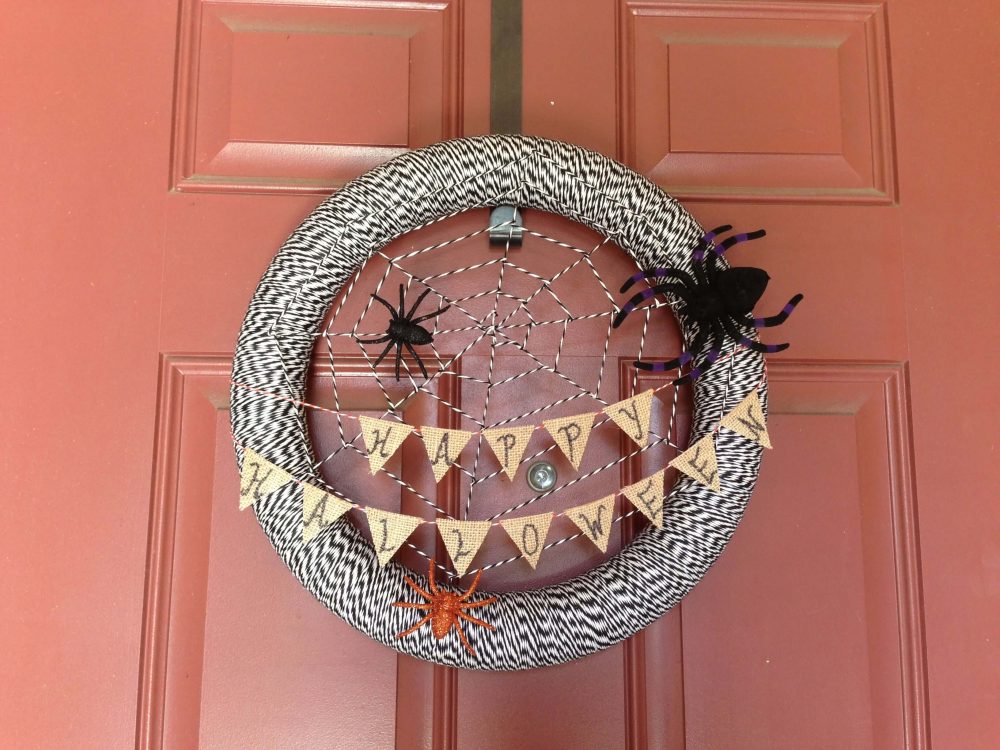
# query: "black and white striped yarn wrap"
{"type": "Point", "coordinates": [535, 628]}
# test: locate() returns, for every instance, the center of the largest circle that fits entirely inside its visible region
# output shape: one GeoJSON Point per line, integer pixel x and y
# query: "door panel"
{"type": "Point", "coordinates": [159, 153]}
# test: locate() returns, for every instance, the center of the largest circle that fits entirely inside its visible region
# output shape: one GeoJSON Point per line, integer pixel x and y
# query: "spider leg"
{"type": "Point", "coordinates": [416, 588]}
{"type": "Point", "coordinates": [707, 240]}
{"type": "Point", "coordinates": [727, 243]}
{"type": "Point", "coordinates": [430, 578]}
{"type": "Point", "coordinates": [401, 301]}
{"type": "Point", "coordinates": [713, 354]}
{"type": "Point", "coordinates": [480, 603]}
{"type": "Point", "coordinates": [678, 289]}
{"type": "Point", "coordinates": [410, 605]}
{"type": "Point", "coordinates": [380, 340]}
{"type": "Point", "coordinates": [465, 641]}
{"type": "Point", "coordinates": [781, 317]}
{"type": "Point", "coordinates": [417, 303]}
{"type": "Point", "coordinates": [658, 273]}
{"type": "Point", "coordinates": [399, 359]}
{"type": "Point", "coordinates": [379, 299]}
{"type": "Point", "coordinates": [472, 588]}
{"type": "Point", "coordinates": [475, 620]}
{"type": "Point", "coordinates": [428, 316]}
{"type": "Point", "coordinates": [683, 359]}
{"type": "Point", "coordinates": [385, 351]}
{"type": "Point", "coordinates": [420, 362]}
{"type": "Point", "coordinates": [416, 627]}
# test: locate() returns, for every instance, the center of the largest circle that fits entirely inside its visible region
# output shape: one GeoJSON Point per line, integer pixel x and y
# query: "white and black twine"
{"type": "Point", "coordinates": [533, 628]}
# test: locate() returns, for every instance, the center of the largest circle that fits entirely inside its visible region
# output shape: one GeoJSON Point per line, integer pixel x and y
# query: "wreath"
{"type": "Point", "coordinates": [515, 629]}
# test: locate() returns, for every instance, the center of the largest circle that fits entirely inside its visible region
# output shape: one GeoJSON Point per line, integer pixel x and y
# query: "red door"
{"type": "Point", "coordinates": [158, 155]}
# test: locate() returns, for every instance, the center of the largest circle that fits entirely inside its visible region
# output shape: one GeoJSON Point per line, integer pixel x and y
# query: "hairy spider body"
{"type": "Point", "coordinates": [447, 609]}
{"type": "Point", "coordinates": [405, 330]}
{"type": "Point", "coordinates": [720, 300]}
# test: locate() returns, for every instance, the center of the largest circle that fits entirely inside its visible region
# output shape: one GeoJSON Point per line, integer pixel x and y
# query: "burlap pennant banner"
{"type": "Point", "coordinates": [508, 444]}
{"type": "Point", "coordinates": [571, 435]}
{"type": "Point", "coordinates": [443, 448]}
{"type": "Point", "coordinates": [698, 462]}
{"type": "Point", "coordinates": [319, 510]}
{"type": "Point", "coordinates": [647, 496]}
{"type": "Point", "coordinates": [259, 478]}
{"type": "Point", "coordinates": [462, 539]}
{"type": "Point", "coordinates": [528, 533]}
{"type": "Point", "coordinates": [382, 439]}
{"type": "Point", "coordinates": [747, 419]}
{"type": "Point", "coordinates": [389, 531]}
{"type": "Point", "coordinates": [594, 520]}
{"type": "Point", "coordinates": [632, 415]}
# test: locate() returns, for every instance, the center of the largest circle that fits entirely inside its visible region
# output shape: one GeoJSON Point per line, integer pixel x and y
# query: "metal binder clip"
{"type": "Point", "coordinates": [506, 227]}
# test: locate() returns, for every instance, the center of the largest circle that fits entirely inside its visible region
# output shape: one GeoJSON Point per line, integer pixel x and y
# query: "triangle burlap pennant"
{"type": "Point", "coordinates": [462, 539]}
{"type": "Point", "coordinates": [748, 420]}
{"type": "Point", "coordinates": [698, 462]}
{"type": "Point", "coordinates": [319, 510]}
{"type": "Point", "coordinates": [594, 520]}
{"type": "Point", "coordinates": [632, 416]}
{"type": "Point", "coordinates": [443, 447]}
{"type": "Point", "coordinates": [382, 439]}
{"type": "Point", "coordinates": [647, 496]}
{"type": "Point", "coordinates": [389, 531]}
{"type": "Point", "coordinates": [508, 444]}
{"type": "Point", "coordinates": [259, 478]}
{"type": "Point", "coordinates": [571, 435]}
{"type": "Point", "coordinates": [528, 533]}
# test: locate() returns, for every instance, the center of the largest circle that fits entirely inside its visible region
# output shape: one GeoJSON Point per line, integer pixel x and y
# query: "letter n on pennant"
{"type": "Point", "coordinates": [594, 520]}
{"type": "Point", "coordinates": [259, 478]}
{"type": "Point", "coordinates": [528, 533]}
{"type": "Point", "coordinates": [747, 419]}
{"type": "Point", "coordinates": [389, 531]}
{"type": "Point", "coordinates": [382, 439]}
{"type": "Point", "coordinates": [443, 447]}
{"type": "Point", "coordinates": [698, 462]}
{"type": "Point", "coordinates": [508, 444]}
{"type": "Point", "coordinates": [462, 539]}
{"type": "Point", "coordinates": [319, 510]}
{"type": "Point", "coordinates": [647, 496]}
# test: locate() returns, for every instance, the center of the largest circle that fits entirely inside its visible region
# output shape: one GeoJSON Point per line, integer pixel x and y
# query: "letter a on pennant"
{"type": "Point", "coordinates": [389, 531]}
{"type": "Point", "coordinates": [698, 462]}
{"type": "Point", "coordinates": [382, 439]}
{"type": "Point", "coordinates": [319, 510]}
{"type": "Point", "coordinates": [647, 496]}
{"type": "Point", "coordinates": [462, 539]}
{"type": "Point", "coordinates": [594, 520]}
{"type": "Point", "coordinates": [571, 435]}
{"type": "Point", "coordinates": [528, 533]}
{"type": "Point", "coordinates": [443, 447]}
{"type": "Point", "coordinates": [259, 478]}
{"type": "Point", "coordinates": [508, 444]}
{"type": "Point", "coordinates": [747, 419]}
{"type": "Point", "coordinates": [632, 415]}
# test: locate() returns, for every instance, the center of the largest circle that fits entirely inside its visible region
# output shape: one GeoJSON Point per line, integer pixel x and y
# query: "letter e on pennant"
{"type": "Point", "coordinates": [647, 496]}
{"type": "Point", "coordinates": [698, 462]}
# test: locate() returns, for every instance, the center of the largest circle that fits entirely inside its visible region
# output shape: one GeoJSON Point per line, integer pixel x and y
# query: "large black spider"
{"type": "Point", "coordinates": [718, 299]}
{"type": "Point", "coordinates": [404, 330]}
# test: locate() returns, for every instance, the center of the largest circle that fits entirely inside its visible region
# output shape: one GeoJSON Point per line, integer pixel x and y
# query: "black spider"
{"type": "Point", "coordinates": [718, 299]}
{"type": "Point", "coordinates": [404, 330]}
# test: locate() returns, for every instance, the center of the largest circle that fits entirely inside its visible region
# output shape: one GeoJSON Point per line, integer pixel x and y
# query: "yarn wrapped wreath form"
{"type": "Point", "coordinates": [534, 628]}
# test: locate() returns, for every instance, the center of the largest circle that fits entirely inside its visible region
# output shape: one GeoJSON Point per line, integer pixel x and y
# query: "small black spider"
{"type": "Point", "coordinates": [718, 299]}
{"type": "Point", "coordinates": [404, 330]}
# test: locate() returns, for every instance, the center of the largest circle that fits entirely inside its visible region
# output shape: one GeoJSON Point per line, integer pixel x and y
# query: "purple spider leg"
{"type": "Point", "coordinates": [707, 240]}
{"type": "Point", "coordinates": [710, 359]}
{"type": "Point", "coordinates": [658, 273]}
{"type": "Point", "coordinates": [735, 239]}
{"type": "Point", "coordinates": [677, 289]}
{"type": "Point", "coordinates": [750, 343]}
{"type": "Point", "coordinates": [781, 317]}
{"type": "Point", "coordinates": [680, 361]}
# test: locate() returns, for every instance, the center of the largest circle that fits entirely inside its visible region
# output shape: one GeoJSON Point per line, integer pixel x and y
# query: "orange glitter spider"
{"type": "Point", "coordinates": [446, 609]}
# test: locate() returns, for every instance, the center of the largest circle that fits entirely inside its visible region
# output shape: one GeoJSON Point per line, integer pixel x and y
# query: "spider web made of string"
{"type": "Point", "coordinates": [498, 331]}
